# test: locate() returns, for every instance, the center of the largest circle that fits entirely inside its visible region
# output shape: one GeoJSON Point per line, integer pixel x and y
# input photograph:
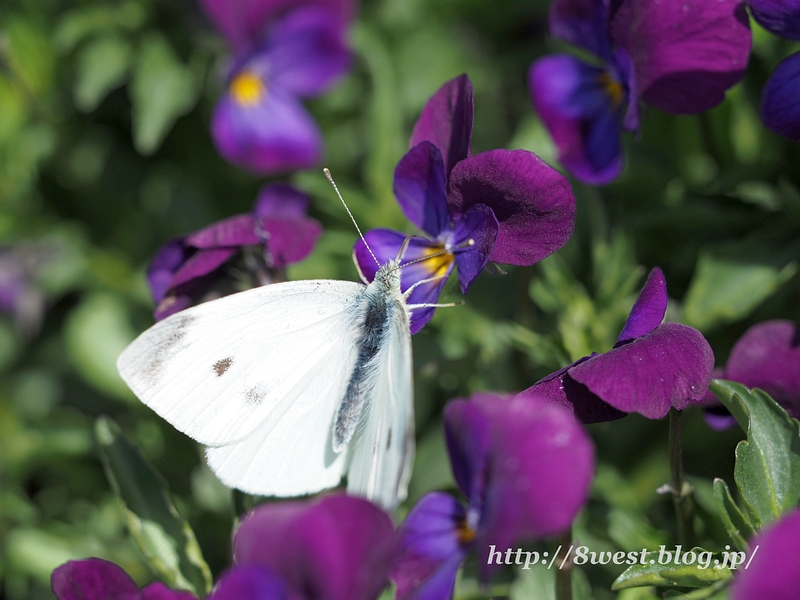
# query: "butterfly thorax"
{"type": "Point", "coordinates": [387, 279]}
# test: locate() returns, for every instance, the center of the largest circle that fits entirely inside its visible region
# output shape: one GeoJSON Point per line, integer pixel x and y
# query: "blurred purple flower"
{"type": "Point", "coordinates": [98, 579]}
{"type": "Point", "coordinates": [780, 110]}
{"type": "Point", "coordinates": [336, 547]}
{"type": "Point", "coordinates": [653, 367]}
{"type": "Point", "coordinates": [773, 571]}
{"type": "Point", "coordinates": [504, 206]}
{"type": "Point", "coordinates": [20, 296]}
{"type": "Point", "coordinates": [525, 469]}
{"type": "Point", "coordinates": [277, 233]}
{"type": "Point", "coordinates": [284, 51]}
{"type": "Point", "coordinates": [678, 55]}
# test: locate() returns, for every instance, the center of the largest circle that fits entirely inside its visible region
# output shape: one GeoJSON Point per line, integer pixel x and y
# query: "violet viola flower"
{"type": "Point", "coordinates": [678, 55]}
{"type": "Point", "coordinates": [525, 469]}
{"type": "Point", "coordinates": [780, 110]}
{"type": "Point", "coordinates": [774, 571]}
{"type": "Point", "coordinates": [98, 579]}
{"type": "Point", "coordinates": [505, 206]}
{"type": "Point", "coordinates": [653, 367]}
{"type": "Point", "coordinates": [336, 547]}
{"type": "Point", "coordinates": [284, 51]}
{"type": "Point", "coordinates": [187, 270]}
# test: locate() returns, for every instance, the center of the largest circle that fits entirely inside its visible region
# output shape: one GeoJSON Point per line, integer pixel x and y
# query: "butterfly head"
{"type": "Point", "coordinates": [388, 276]}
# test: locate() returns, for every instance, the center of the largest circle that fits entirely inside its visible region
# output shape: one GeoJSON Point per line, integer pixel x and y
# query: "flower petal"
{"type": "Point", "coordinates": [281, 200]}
{"type": "Point", "coordinates": [288, 240]}
{"type": "Point", "coordinates": [669, 367]}
{"type": "Point", "coordinates": [201, 263]}
{"type": "Point", "coordinates": [469, 437]}
{"type": "Point", "coordinates": [163, 266]}
{"type": "Point", "coordinates": [686, 54]}
{"type": "Point", "coordinates": [582, 23]}
{"type": "Point", "coordinates": [308, 51]}
{"type": "Point", "coordinates": [773, 571]}
{"type": "Point", "coordinates": [446, 121]}
{"type": "Point", "coordinates": [335, 547]}
{"type": "Point", "coordinates": [267, 136]}
{"type": "Point", "coordinates": [781, 17]}
{"type": "Point", "coordinates": [239, 230]}
{"type": "Point", "coordinates": [780, 109]}
{"type": "Point", "coordinates": [250, 582]}
{"type": "Point", "coordinates": [159, 591]}
{"type": "Point", "coordinates": [420, 186]}
{"type": "Point", "coordinates": [580, 116]}
{"type": "Point", "coordinates": [93, 579]}
{"type": "Point", "coordinates": [430, 551]}
{"type": "Point", "coordinates": [480, 226]}
{"type": "Point", "coordinates": [649, 309]}
{"type": "Point", "coordinates": [767, 356]}
{"type": "Point", "coordinates": [532, 202]}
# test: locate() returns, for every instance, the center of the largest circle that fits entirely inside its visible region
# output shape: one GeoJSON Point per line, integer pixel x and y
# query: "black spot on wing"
{"type": "Point", "coordinates": [255, 395]}
{"type": "Point", "coordinates": [389, 439]}
{"type": "Point", "coordinates": [221, 366]}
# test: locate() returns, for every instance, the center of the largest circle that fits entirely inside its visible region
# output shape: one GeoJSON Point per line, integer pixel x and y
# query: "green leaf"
{"type": "Point", "coordinates": [662, 569]}
{"type": "Point", "coordinates": [102, 66]}
{"type": "Point", "coordinates": [767, 468]}
{"type": "Point", "coordinates": [736, 523]}
{"type": "Point", "coordinates": [162, 89]}
{"type": "Point", "coordinates": [162, 534]}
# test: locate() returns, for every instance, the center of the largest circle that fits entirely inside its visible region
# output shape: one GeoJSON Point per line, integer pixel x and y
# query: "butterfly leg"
{"type": "Point", "coordinates": [407, 293]}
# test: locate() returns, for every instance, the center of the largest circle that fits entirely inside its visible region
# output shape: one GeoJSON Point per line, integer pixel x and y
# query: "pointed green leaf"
{"type": "Point", "coordinates": [767, 468]}
{"type": "Point", "coordinates": [161, 532]}
{"type": "Point", "coordinates": [668, 568]}
{"type": "Point", "coordinates": [102, 66]}
{"type": "Point", "coordinates": [737, 523]}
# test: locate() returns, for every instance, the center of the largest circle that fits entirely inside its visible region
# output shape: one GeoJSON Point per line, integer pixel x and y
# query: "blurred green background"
{"type": "Point", "coordinates": [105, 154]}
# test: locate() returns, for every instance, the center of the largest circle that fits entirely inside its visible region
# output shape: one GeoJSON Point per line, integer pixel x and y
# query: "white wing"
{"type": "Point", "coordinates": [221, 370]}
{"type": "Point", "coordinates": [382, 450]}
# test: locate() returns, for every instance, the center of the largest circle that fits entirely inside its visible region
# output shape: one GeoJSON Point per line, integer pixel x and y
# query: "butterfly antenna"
{"type": "Point", "coordinates": [465, 244]}
{"type": "Point", "coordinates": [352, 218]}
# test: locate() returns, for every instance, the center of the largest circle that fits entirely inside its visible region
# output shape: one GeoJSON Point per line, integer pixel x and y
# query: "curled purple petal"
{"type": "Point", "coordinates": [281, 200]}
{"type": "Point", "coordinates": [251, 582]}
{"type": "Point", "coordinates": [307, 51]}
{"type": "Point", "coordinates": [772, 567]}
{"type": "Point", "coordinates": [239, 230]}
{"type": "Point", "coordinates": [288, 240]}
{"type": "Point", "coordinates": [335, 547]}
{"type": "Point", "coordinates": [201, 263]}
{"type": "Point", "coordinates": [92, 579]}
{"type": "Point", "coordinates": [265, 130]}
{"type": "Point", "coordinates": [420, 186]}
{"type": "Point", "coordinates": [667, 368]}
{"type": "Point", "coordinates": [780, 110]}
{"type": "Point", "coordinates": [446, 121]}
{"type": "Point", "coordinates": [582, 23]}
{"type": "Point", "coordinates": [686, 54]}
{"type": "Point", "coordinates": [781, 17]}
{"type": "Point", "coordinates": [533, 203]}
{"type": "Point", "coordinates": [430, 549]}
{"type": "Point", "coordinates": [479, 226]}
{"type": "Point", "coordinates": [164, 265]}
{"type": "Point", "coordinates": [649, 309]}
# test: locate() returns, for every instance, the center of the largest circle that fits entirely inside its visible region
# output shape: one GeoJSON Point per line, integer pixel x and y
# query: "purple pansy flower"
{"type": "Point", "coordinates": [336, 547]}
{"type": "Point", "coordinates": [284, 51]}
{"type": "Point", "coordinates": [525, 469]}
{"type": "Point", "coordinates": [98, 579]}
{"type": "Point", "coordinates": [505, 206]}
{"type": "Point", "coordinates": [653, 366]}
{"type": "Point", "coordinates": [780, 109]}
{"type": "Point", "coordinates": [773, 571]}
{"type": "Point", "coordinates": [188, 269]}
{"type": "Point", "coordinates": [678, 55]}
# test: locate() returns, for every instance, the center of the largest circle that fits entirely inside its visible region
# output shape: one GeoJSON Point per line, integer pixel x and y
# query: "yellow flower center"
{"type": "Point", "coordinates": [465, 533]}
{"type": "Point", "coordinates": [437, 266]}
{"type": "Point", "coordinates": [247, 88]}
{"type": "Point", "coordinates": [612, 87]}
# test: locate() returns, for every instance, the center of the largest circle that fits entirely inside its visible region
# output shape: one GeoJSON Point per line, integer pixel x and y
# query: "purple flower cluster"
{"type": "Point", "coordinates": [283, 51]}
{"type": "Point", "coordinates": [677, 56]}
{"type": "Point", "coordinates": [505, 206]}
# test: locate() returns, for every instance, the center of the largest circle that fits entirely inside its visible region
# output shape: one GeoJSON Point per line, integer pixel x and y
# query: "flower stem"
{"type": "Point", "coordinates": [680, 491]}
{"type": "Point", "coordinates": [564, 573]}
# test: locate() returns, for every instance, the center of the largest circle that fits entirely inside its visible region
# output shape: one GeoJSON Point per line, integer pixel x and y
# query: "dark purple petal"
{"type": "Point", "coordinates": [307, 51]}
{"type": "Point", "coordinates": [93, 579]}
{"type": "Point", "coordinates": [480, 226]}
{"type": "Point", "coordinates": [767, 356]}
{"type": "Point", "coordinates": [249, 582]}
{"type": "Point", "coordinates": [288, 240]}
{"type": "Point", "coordinates": [159, 591]}
{"type": "Point", "coordinates": [244, 22]}
{"type": "Point", "coordinates": [669, 367]}
{"type": "Point", "coordinates": [164, 265]}
{"type": "Point", "coordinates": [649, 309]}
{"type": "Point", "coordinates": [781, 17]}
{"type": "Point", "coordinates": [446, 121]}
{"type": "Point", "coordinates": [420, 186]}
{"type": "Point", "coordinates": [266, 134]}
{"type": "Point", "coordinates": [780, 109]}
{"type": "Point", "coordinates": [430, 549]}
{"type": "Point", "coordinates": [580, 114]}
{"type": "Point", "coordinates": [469, 437]}
{"type": "Point", "coordinates": [686, 54]}
{"type": "Point", "coordinates": [773, 571]}
{"type": "Point", "coordinates": [583, 23]}
{"type": "Point", "coordinates": [531, 498]}
{"type": "Point", "coordinates": [201, 263]}
{"type": "Point", "coordinates": [239, 230]}
{"type": "Point", "coordinates": [335, 547]}
{"type": "Point", "coordinates": [281, 200]}
{"type": "Point", "coordinates": [626, 74]}
{"type": "Point", "coordinates": [533, 203]}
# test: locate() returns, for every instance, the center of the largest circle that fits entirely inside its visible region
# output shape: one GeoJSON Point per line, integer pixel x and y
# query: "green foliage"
{"type": "Point", "coordinates": [675, 572]}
